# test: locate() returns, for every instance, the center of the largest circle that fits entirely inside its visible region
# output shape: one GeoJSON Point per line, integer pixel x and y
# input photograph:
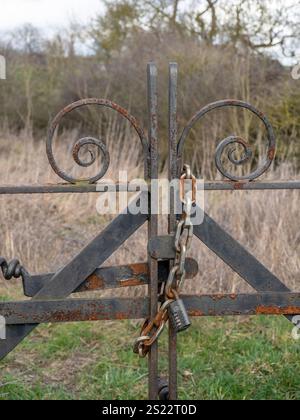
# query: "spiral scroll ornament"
{"type": "Point", "coordinates": [229, 144]}
{"type": "Point", "coordinates": [89, 142]}
{"type": "Point", "coordinates": [13, 269]}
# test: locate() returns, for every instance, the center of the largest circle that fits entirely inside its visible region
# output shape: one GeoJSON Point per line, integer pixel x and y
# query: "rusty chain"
{"type": "Point", "coordinates": [152, 329]}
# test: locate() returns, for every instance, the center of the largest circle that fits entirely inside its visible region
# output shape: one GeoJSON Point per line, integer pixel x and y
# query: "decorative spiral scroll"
{"type": "Point", "coordinates": [89, 141]}
{"type": "Point", "coordinates": [234, 140]}
{"type": "Point", "coordinates": [12, 269]}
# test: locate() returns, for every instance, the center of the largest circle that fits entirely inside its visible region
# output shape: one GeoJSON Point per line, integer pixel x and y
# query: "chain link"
{"type": "Point", "coordinates": [151, 330]}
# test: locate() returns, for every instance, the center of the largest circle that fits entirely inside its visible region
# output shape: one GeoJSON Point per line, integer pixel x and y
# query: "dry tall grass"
{"type": "Point", "coordinates": [45, 231]}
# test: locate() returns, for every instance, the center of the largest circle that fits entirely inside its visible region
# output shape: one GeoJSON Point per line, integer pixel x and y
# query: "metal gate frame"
{"type": "Point", "coordinates": [84, 272]}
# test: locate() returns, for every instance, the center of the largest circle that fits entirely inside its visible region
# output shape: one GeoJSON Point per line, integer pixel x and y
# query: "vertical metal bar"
{"type": "Point", "coordinates": [173, 75]}
{"type": "Point", "coordinates": [153, 223]}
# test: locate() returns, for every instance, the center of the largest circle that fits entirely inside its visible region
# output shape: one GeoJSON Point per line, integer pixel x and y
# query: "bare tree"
{"type": "Point", "coordinates": [253, 24]}
{"type": "Point", "coordinates": [27, 39]}
{"type": "Point", "coordinates": [261, 25]}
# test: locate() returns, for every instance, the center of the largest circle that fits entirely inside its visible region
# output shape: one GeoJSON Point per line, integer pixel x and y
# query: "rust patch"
{"type": "Point", "coordinates": [139, 269]}
{"type": "Point", "coordinates": [121, 315]}
{"type": "Point", "coordinates": [275, 310]}
{"type": "Point", "coordinates": [239, 185]}
{"type": "Point", "coordinates": [217, 297]}
{"type": "Point", "coordinates": [131, 282]}
{"type": "Point", "coordinates": [271, 153]}
{"type": "Point", "coordinates": [93, 283]}
{"type": "Point", "coordinates": [70, 316]}
{"type": "Point", "coordinates": [196, 313]}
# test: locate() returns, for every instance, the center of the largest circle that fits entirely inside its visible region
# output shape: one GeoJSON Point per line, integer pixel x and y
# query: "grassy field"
{"type": "Point", "coordinates": [253, 358]}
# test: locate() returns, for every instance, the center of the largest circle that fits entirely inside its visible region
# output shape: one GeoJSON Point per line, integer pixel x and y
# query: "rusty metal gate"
{"type": "Point", "coordinates": [167, 264]}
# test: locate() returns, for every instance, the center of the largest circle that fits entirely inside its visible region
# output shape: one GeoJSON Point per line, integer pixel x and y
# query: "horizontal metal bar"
{"type": "Point", "coordinates": [251, 186]}
{"type": "Point", "coordinates": [244, 304]}
{"type": "Point", "coordinates": [65, 188]}
{"type": "Point", "coordinates": [112, 277]}
{"type": "Point", "coordinates": [71, 310]}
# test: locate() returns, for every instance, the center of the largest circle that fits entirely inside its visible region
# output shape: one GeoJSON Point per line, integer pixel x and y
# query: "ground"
{"type": "Point", "coordinates": [231, 358]}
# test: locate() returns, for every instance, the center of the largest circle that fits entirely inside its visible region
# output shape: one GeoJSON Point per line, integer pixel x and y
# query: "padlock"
{"type": "Point", "coordinates": [178, 315]}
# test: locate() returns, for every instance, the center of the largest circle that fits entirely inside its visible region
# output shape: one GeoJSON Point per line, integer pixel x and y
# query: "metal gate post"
{"type": "Point", "coordinates": [153, 223]}
{"type": "Point", "coordinates": [173, 71]}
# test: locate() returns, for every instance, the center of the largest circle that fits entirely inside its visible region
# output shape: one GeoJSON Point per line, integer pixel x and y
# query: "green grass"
{"type": "Point", "coordinates": [253, 358]}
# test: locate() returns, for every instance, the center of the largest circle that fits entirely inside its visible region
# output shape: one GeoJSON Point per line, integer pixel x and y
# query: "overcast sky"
{"type": "Point", "coordinates": [46, 13]}
{"type": "Point", "coordinates": [50, 15]}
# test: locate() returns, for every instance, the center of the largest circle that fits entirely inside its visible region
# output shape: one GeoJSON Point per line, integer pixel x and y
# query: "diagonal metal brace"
{"type": "Point", "coordinates": [238, 258]}
{"type": "Point", "coordinates": [70, 277]}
